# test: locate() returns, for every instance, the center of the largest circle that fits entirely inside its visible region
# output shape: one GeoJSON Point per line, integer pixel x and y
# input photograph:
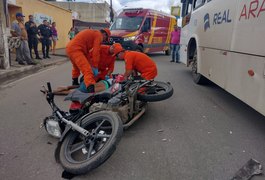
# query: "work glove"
{"type": "Point", "coordinates": [75, 82]}
{"type": "Point", "coordinates": [95, 71]}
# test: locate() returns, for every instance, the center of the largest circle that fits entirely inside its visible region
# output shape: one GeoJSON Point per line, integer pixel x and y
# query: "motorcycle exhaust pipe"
{"type": "Point", "coordinates": [125, 126]}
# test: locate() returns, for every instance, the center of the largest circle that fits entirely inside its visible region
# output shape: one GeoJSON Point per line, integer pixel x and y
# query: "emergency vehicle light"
{"type": "Point", "coordinates": [133, 10]}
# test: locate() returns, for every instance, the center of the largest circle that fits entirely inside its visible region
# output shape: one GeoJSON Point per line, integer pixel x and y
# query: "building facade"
{"type": "Point", "coordinates": [88, 12]}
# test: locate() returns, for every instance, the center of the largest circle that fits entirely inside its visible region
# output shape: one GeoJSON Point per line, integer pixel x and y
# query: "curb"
{"type": "Point", "coordinates": [22, 71]}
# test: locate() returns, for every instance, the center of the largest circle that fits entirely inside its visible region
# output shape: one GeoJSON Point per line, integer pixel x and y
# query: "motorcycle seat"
{"type": "Point", "coordinates": [77, 95]}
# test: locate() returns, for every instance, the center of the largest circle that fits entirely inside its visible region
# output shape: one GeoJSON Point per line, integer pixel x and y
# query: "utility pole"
{"type": "Point", "coordinates": [111, 12]}
{"type": "Point", "coordinates": [4, 53]}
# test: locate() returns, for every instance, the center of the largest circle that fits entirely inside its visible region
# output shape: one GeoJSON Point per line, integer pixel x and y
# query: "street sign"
{"type": "Point", "coordinates": [175, 11]}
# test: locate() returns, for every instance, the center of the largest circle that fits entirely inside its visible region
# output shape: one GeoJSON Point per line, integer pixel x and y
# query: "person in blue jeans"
{"type": "Point", "coordinates": [174, 44]}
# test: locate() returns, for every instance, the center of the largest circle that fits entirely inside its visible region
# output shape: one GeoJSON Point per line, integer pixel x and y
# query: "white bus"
{"type": "Point", "coordinates": [224, 41]}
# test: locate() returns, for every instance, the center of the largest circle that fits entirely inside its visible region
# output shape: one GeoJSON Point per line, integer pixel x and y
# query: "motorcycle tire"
{"type": "Point", "coordinates": [156, 91]}
{"type": "Point", "coordinates": [106, 130]}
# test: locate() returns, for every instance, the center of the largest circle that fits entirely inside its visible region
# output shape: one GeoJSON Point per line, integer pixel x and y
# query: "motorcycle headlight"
{"type": "Point", "coordinates": [53, 128]}
{"type": "Point", "coordinates": [132, 38]}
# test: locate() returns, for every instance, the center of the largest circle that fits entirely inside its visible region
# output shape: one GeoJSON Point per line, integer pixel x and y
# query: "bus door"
{"type": "Point", "coordinates": [185, 29]}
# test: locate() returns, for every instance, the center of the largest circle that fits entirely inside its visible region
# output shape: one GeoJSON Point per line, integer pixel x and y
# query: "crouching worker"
{"type": "Point", "coordinates": [78, 51]}
{"type": "Point", "coordinates": [137, 62]}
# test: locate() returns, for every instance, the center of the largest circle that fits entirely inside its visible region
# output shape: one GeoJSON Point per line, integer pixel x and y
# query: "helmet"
{"type": "Point", "coordinates": [107, 31]}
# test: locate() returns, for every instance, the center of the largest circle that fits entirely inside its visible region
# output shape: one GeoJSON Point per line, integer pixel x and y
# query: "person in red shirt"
{"type": "Point", "coordinates": [137, 62]}
{"type": "Point", "coordinates": [78, 51]}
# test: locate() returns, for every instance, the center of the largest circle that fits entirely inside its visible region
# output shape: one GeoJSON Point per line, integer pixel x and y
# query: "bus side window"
{"type": "Point", "coordinates": [198, 3]}
{"type": "Point", "coordinates": [146, 25]}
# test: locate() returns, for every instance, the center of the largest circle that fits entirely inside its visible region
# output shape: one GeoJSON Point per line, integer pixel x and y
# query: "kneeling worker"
{"type": "Point", "coordinates": [137, 62]}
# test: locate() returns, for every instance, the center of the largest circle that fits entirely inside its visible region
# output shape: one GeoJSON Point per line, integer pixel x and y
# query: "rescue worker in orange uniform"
{"type": "Point", "coordinates": [106, 62]}
{"type": "Point", "coordinates": [137, 62]}
{"type": "Point", "coordinates": [78, 51]}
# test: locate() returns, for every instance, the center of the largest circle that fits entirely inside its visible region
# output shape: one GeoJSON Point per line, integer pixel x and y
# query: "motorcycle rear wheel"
{"type": "Point", "coordinates": [79, 154]}
{"type": "Point", "coordinates": [155, 91]}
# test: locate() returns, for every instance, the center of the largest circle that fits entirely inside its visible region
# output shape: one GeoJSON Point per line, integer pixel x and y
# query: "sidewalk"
{"type": "Point", "coordinates": [17, 70]}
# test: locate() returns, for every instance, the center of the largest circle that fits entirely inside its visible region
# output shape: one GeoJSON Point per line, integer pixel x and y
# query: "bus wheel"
{"type": "Point", "coordinates": [197, 77]}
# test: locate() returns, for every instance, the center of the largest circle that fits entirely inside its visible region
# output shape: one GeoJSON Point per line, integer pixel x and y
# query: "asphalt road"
{"type": "Point", "coordinates": [200, 133]}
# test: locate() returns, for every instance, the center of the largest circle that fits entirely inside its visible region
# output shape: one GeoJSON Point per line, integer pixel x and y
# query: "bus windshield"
{"type": "Point", "coordinates": [130, 23]}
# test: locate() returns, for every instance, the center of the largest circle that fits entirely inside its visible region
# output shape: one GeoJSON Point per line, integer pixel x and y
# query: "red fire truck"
{"type": "Point", "coordinates": [143, 30]}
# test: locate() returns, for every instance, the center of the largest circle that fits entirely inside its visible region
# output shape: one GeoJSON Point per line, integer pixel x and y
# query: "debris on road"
{"type": "Point", "coordinates": [143, 152]}
{"type": "Point", "coordinates": [251, 168]}
{"type": "Point", "coordinates": [231, 132]}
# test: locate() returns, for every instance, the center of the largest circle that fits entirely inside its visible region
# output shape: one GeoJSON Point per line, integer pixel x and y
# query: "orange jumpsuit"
{"type": "Point", "coordinates": [141, 63]}
{"type": "Point", "coordinates": [78, 51]}
{"type": "Point", "coordinates": [106, 62]}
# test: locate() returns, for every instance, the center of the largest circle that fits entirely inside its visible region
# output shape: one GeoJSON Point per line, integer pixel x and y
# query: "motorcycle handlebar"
{"type": "Point", "coordinates": [49, 86]}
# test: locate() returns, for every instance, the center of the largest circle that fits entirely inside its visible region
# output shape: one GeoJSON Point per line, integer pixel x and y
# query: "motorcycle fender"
{"type": "Point", "coordinates": [58, 147]}
{"type": "Point", "coordinates": [66, 130]}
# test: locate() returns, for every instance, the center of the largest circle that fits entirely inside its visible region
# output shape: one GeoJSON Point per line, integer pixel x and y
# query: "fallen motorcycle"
{"type": "Point", "coordinates": [91, 130]}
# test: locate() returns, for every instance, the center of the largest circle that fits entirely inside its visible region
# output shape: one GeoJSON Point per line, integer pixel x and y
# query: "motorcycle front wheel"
{"type": "Point", "coordinates": [79, 154]}
{"type": "Point", "coordinates": [155, 91]}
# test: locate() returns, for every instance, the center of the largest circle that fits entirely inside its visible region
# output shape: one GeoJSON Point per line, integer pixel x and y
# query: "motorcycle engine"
{"type": "Point", "coordinates": [115, 104]}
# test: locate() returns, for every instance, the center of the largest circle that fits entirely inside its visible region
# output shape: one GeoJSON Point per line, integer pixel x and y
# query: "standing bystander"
{"type": "Point", "coordinates": [45, 36]}
{"type": "Point", "coordinates": [54, 37]}
{"type": "Point", "coordinates": [174, 43]}
{"type": "Point", "coordinates": [18, 30]}
{"type": "Point", "coordinates": [71, 33]}
{"type": "Point", "coordinates": [32, 31]}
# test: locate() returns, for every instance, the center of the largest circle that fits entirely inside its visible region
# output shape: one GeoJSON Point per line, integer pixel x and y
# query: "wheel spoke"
{"type": "Point", "coordinates": [106, 127]}
{"type": "Point", "coordinates": [103, 136]}
{"type": "Point", "coordinates": [99, 125]}
{"type": "Point", "coordinates": [90, 149]}
{"type": "Point", "coordinates": [76, 147]}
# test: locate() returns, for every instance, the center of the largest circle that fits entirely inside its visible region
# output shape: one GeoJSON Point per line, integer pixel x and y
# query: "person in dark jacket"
{"type": "Point", "coordinates": [45, 36]}
{"type": "Point", "coordinates": [32, 31]}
